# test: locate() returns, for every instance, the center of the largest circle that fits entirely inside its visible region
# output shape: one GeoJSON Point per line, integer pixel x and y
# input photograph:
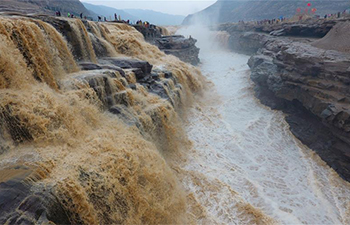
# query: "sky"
{"type": "Point", "coordinates": [175, 7]}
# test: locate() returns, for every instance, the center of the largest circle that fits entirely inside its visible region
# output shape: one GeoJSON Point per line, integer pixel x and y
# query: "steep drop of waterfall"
{"type": "Point", "coordinates": [32, 46]}
{"type": "Point", "coordinates": [60, 145]}
{"type": "Point", "coordinates": [83, 41]}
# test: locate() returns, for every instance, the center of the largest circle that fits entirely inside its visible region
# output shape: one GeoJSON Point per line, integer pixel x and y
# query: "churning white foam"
{"type": "Point", "coordinates": [241, 145]}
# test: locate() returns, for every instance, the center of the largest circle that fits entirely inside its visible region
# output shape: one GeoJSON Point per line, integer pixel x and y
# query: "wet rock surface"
{"type": "Point", "coordinates": [309, 84]}
{"type": "Point", "coordinates": [23, 200]}
{"type": "Point", "coordinates": [179, 46]}
{"type": "Point", "coordinates": [127, 63]}
{"type": "Point", "coordinates": [156, 81]}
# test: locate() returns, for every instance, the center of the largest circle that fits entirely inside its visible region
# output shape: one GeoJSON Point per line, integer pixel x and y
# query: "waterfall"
{"type": "Point", "coordinates": [95, 146]}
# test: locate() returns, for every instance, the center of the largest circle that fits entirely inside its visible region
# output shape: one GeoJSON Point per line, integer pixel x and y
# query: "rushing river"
{"type": "Point", "coordinates": [62, 153]}
{"type": "Point", "coordinates": [245, 165]}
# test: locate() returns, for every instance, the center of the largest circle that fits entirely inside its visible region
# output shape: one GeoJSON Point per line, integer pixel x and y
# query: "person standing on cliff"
{"type": "Point", "coordinates": [81, 15]}
{"type": "Point", "coordinates": [68, 14]}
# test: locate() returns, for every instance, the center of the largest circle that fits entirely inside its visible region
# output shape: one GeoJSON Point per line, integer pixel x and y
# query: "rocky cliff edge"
{"type": "Point", "coordinates": [307, 77]}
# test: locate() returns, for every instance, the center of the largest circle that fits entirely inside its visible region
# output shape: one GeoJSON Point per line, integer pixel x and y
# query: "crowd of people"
{"type": "Point", "coordinates": [70, 15]}
{"type": "Point", "coordinates": [299, 17]}
{"type": "Point", "coordinates": [335, 15]}
{"type": "Point", "coordinates": [145, 24]}
{"type": "Point", "coordinates": [271, 21]}
{"type": "Point", "coordinates": [117, 18]}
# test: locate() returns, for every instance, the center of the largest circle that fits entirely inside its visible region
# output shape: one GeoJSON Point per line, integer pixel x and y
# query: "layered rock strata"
{"type": "Point", "coordinates": [311, 85]}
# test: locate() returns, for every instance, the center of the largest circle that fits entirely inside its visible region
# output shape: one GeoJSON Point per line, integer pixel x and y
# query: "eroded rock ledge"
{"type": "Point", "coordinates": [311, 85]}
{"type": "Point", "coordinates": [179, 46]}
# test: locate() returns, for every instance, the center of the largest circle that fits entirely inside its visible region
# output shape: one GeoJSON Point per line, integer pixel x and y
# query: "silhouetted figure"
{"type": "Point", "coordinates": [81, 15]}
{"type": "Point", "coordinates": [99, 18]}
{"type": "Point", "coordinates": [115, 17]}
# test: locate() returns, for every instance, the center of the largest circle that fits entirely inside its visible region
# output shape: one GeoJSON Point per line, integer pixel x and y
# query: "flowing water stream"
{"type": "Point", "coordinates": [245, 165]}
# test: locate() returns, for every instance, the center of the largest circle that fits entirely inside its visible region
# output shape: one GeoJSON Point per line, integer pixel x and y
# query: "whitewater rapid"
{"type": "Point", "coordinates": [245, 166]}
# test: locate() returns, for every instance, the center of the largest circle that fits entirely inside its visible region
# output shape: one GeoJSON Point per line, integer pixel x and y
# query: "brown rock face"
{"type": "Point", "coordinates": [311, 85]}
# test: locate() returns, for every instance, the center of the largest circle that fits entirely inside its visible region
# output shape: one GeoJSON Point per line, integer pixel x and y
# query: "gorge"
{"type": "Point", "coordinates": [306, 77]}
{"type": "Point", "coordinates": [98, 126]}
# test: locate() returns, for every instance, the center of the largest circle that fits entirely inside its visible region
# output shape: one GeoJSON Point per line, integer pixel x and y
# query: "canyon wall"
{"type": "Point", "coordinates": [310, 84]}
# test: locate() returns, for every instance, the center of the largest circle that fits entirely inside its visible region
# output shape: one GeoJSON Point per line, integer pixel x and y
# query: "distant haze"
{"type": "Point", "coordinates": [175, 7]}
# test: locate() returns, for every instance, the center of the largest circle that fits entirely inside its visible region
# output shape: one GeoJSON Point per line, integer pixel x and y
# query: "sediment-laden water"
{"type": "Point", "coordinates": [64, 155]}
{"type": "Point", "coordinates": [97, 147]}
{"type": "Point", "coordinates": [245, 166]}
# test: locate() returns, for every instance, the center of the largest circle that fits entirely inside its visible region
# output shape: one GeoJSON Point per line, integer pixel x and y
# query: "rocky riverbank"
{"type": "Point", "coordinates": [310, 84]}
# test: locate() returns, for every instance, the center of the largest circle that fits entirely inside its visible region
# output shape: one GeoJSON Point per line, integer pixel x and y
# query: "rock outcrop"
{"type": "Point", "coordinates": [149, 33]}
{"type": "Point", "coordinates": [179, 46]}
{"type": "Point", "coordinates": [311, 85]}
{"type": "Point", "coordinates": [311, 27]}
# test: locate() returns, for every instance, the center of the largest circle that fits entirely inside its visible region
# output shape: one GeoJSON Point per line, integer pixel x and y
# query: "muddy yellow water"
{"type": "Point", "coordinates": [104, 170]}
{"type": "Point", "coordinates": [208, 155]}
